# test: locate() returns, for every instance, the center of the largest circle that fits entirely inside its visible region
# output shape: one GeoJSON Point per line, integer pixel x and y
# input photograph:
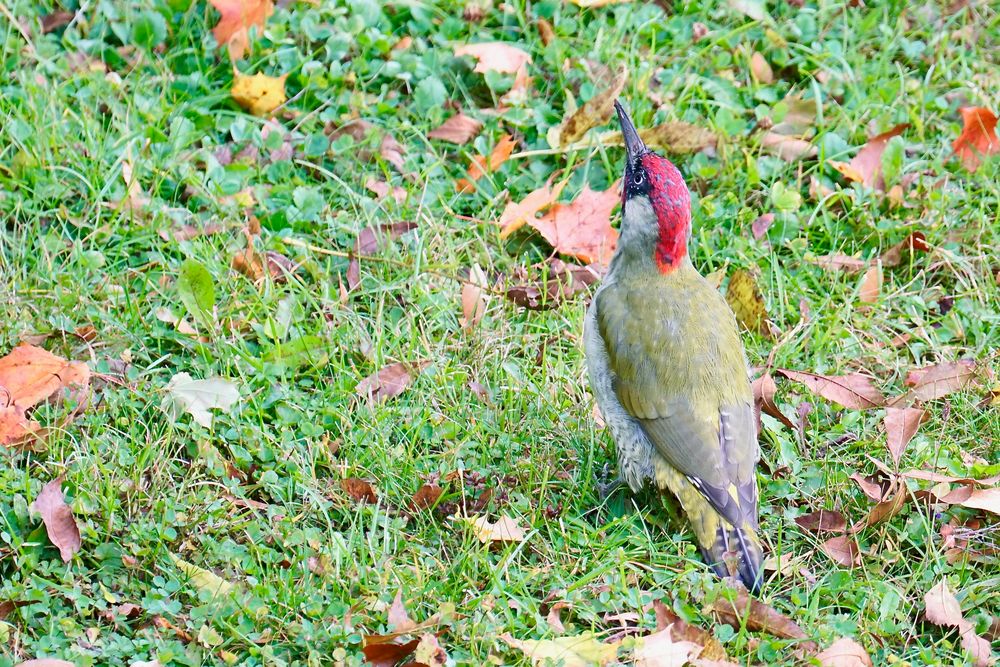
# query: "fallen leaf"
{"type": "Point", "coordinates": [516, 214]}
{"type": "Point", "coordinates": [259, 94]}
{"type": "Point", "coordinates": [855, 390]}
{"type": "Point", "coordinates": [504, 530]}
{"type": "Point", "coordinates": [198, 397]}
{"type": "Point", "coordinates": [371, 239]}
{"type": "Point", "coordinates": [426, 496]}
{"type": "Point", "coordinates": [978, 138]}
{"type": "Point", "coordinates": [459, 129]}
{"type": "Point", "coordinates": [680, 629]}
{"type": "Point", "coordinates": [901, 424]}
{"type": "Point", "coordinates": [983, 499]}
{"type": "Point", "coordinates": [473, 305]}
{"type": "Point", "coordinates": [674, 137]}
{"type": "Point", "coordinates": [839, 262]}
{"type": "Point", "coordinates": [585, 650]}
{"type": "Point", "coordinates": [659, 649]}
{"type": "Point", "coordinates": [866, 166]}
{"type": "Point", "coordinates": [359, 490]}
{"type": "Point", "coordinates": [787, 148]}
{"type": "Point", "coordinates": [381, 190]}
{"type": "Point", "coordinates": [545, 31]}
{"type": "Point", "coordinates": [16, 430]}
{"type": "Point", "coordinates": [45, 662]}
{"type": "Point", "coordinates": [869, 486]}
{"type": "Point", "coordinates": [754, 9]}
{"type": "Point", "coordinates": [387, 653]}
{"type": "Point", "coordinates": [518, 93]}
{"type": "Point", "coordinates": [360, 130]}
{"type": "Point", "coordinates": [595, 111]}
{"type": "Point", "coordinates": [822, 521]}
{"type": "Point", "coordinates": [399, 620]}
{"type": "Point", "coordinates": [882, 511]}
{"type": "Point", "coordinates": [871, 285]}
{"type": "Point", "coordinates": [942, 608]}
{"type": "Point", "coordinates": [495, 56]}
{"type": "Point", "coordinates": [429, 652]}
{"type": "Point", "coordinates": [760, 69]}
{"type": "Point", "coordinates": [843, 550]}
{"type": "Point", "coordinates": [764, 390]}
{"type": "Point", "coordinates": [564, 281]}
{"type": "Point", "coordinates": [937, 380]}
{"type": "Point", "coordinates": [232, 30]}
{"type": "Point", "coordinates": [60, 525]}
{"type": "Point", "coordinates": [845, 652]}
{"type": "Point", "coordinates": [744, 297]}
{"type": "Point", "coordinates": [760, 226]}
{"type": "Point", "coordinates": [582, 228]}
{"type": "Point", "coordinates": [390, 381]}
{"type": "Point", "coordinates": [931, 476]}
{"type": "Point", "coordinates": [56, 20]}
{"type": "Point", "coordinates": [914, 242]}
{"type": "Point", "coordinates": [481, 164]}
{"type": "Point", "coordinates": [202, 579]}
{"type": "Point", "coordinates": [758, 616]}
{"type": "Point", "coordinates": [553, 619]}
{"type": "Point", "coordinates": [30, 374]}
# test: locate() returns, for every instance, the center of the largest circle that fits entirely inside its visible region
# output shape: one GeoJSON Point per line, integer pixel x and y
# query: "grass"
{"type": "Point", "coordinates": [144, 489]}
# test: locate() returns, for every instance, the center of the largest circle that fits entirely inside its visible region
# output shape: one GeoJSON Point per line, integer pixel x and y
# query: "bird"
{"type": "Point", "coordinates": [669, 371]}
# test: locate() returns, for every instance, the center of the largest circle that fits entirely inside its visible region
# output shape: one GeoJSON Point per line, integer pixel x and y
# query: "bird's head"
{"type": "Point", "coordinates": [656, 203]}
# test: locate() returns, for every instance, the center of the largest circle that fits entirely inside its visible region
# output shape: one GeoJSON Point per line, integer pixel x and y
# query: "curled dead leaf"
{"type": "Point", "coordinates": [60, 525]}
{"type": "Point", "coordinates": [459, 129]}
{"type": "Point", "coordinates": [758, 617]}
{"type": "Point", "coordinates": [845, 652]}
{"type": "Point", "coordinates": [843, 550]}
{"type": "Point", "coordinates": [854, 390]}
{"type": "Point", "coordinates": [822, 521]}
{"type": "Point", "coordinates": [978, 138]}
{"type": "Point", "coordinates": [390, 381]}
{"type": "Point", "coordinates": [359, 490]}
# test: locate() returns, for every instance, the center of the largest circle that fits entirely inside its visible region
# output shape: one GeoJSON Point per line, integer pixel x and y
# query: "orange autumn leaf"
{"type": "Point", "coordinates": [582, 229]}
{"type": "Point", "coordinates": [978, 137]}
{"type": "Point", "coordinates": [516, 214]}
{"type": "Point", "coordinates": [238, 16]}
{"type": "Point", "coordinates": [30, 374]}
{"type": "Point", "coordinates": [482, 164]}
{"type": "Point", "coordinates": [866, 166]}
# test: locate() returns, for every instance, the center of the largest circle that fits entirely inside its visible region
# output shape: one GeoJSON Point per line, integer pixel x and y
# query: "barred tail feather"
{"type": "Point", "coordinates": [740, 545]}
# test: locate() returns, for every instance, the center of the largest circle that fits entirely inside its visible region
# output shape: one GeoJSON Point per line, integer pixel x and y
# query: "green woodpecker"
{"type": "Point", "coordinates": [669, 372]}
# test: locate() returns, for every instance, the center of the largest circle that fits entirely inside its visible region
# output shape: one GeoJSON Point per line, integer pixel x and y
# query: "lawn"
{"type": "Point", "coordinates": [152, 227]}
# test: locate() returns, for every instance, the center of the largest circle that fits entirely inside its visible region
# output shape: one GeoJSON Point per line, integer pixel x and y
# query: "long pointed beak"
{"type": "Point", "coordinates": [633, 143]}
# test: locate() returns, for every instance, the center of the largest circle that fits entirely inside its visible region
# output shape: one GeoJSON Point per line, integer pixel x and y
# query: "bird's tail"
{"type": "Point", "coordinates": [739, 547]}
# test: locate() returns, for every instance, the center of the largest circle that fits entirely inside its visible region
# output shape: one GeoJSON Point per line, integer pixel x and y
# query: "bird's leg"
{"type": "Point", "coordinates": [605, 485]}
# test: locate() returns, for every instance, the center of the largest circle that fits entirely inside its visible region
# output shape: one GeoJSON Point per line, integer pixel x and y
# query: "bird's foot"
{"type": "Point", "coordinates": [605, 485]}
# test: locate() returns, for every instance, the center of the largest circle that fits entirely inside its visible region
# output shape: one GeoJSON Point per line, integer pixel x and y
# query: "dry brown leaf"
{"type": "Point", "coordinates": [389, 149]}
{"type": "Point", "coordinates": [60, 525]}
{"type": "Point", "coordinates": [659, 649]}
{"type": "Point", "coordinates": [937, 380]}
{"type": "Point", "coordinates": [744, 297]}
{"type": "Point", "coordinates": [232, 30]}
{"type": "Point", "coordinates": [372, 239]}
{"type": "Point", "coordinates": [882, 511]}
{"type": "Point", "coordinates": [585, 650]}
{"type": "Point", "coordinates": [553, 619]}
{"type": "Point", "coordinates": [259, 94]}
{"type": "Point", "coordinates": [931, 476]}
{"type": "Point", "coordinates": [787, 148]}
{"type": "Point", "coordinates": [481, 164]}
{"type": "Point", "coordinates": [504, 530]}
{"type": "Point", "coordinates": [426, 496]}
{"type": "Point", "coordinates": [822, 521]}
{"type": "Point", "coordinates": [845, 652]}
{"type": "Point", "coordinates": [711, 647]}
{"type": "Point", "coordinates": [495, 56]}
{"type": "Point", "coordinates": [381, 190]}
{"type": "Point", "coordinates": [390, 381]}
{"type": "Point", "coordinates": [595, 111]}
{"type": "Point", "coordinates": [870, 486]}
{"type": "Point", "coordinates": [359, 490]}
{"type": "Point", "coordinates": [871, 285]}
{"type": "Point", "coordinates": [854, 390]}
{"type": "Point", "coordinates": [398, 618]}
{"type": "Point", "coordinates": [760, 69]}
{"type": "Point", "coordinates": [914, 242]}
{"type": "Point", "coordinates": [387, 650]}
{"type": "Point", "coordinates": [901, 424]}
{"type": "Point", "coordinates": [16, 430]}
{"type": "Point", "coordinates": [582, 228]}
{"type": "Point", "coordinates": [983, 499]}
{"type": "Point", "coordinates": [758, 616]}
{"type": "Point", "coordinates": [843, 550]}
{"type": "Point", "coordinates": [839, 262]}
{"type": "Point", "coordinates": [30, 374]}
{"type": "Point", "coordinates": [978, 137]}
{"type": "Point", "coordinates": [942, 608]}
{"type": "Point", "coordinates": [518, 93]}
{"type": "Point", "coordinates": [429, 653]}
{"type": "Point", "coordinates": [459, 129]}
{"type": "Point", "coordinates": [674, 137]}
{"type": "Point", "coordinates": [564, 281]}
{"type": "Point", "coordinates": [866, 166]}
{"type": "Point", "coordinates": [764, 390]}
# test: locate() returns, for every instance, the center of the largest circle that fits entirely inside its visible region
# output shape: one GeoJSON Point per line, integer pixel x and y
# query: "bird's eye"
{"type": "Point", "coordinates": [638, 178]}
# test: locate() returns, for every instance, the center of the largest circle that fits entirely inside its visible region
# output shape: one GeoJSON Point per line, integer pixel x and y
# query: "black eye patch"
{"type": "Point", "coordinates": [636, 180]}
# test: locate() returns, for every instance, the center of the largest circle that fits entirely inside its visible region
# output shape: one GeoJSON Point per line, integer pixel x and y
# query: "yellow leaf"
{"type": "Point", "coordinates": [596, 111]}
{"type": "Point", "coordinates": [259, 94]}
{"type": "Point", "coordinates": [202, 579]}
{"type": "Point", "coordinates": [584, 650]}
{"type": "Point", "coordinates": [504, 530]}
{"type": "Point", "coordinates": [746, 301]}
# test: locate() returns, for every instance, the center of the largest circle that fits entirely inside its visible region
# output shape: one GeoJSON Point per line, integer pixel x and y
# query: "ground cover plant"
{"type": "Point", "coordinates": [291, 365]}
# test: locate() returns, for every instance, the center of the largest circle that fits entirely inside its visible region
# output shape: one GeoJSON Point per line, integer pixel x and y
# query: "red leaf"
{"type": "Point", "coordinates": [582, 229]}
{"type": "Point", "coordinates": [459, 129]}
{"type": "Point", "coordinates": [978, 137]}
{"type": "Point", "coordinates": [866, 166]}
{"type": "Point", "coordinates": [482, 164]}
{"type": "Point", "coordinates": [58, 519]}
{"type": "Point", "coordinates": [822, 521]}
{"type": "Point", "coordinates": [237, 18]}
{"type": "Point", "coordinates": [901, 424]}
{"type": "Point", "coordinates": [851, 391]}
{"type": "Point", "coordinates": [358, 489]}
{"type": "Point", "coordinates": [371, 239]}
